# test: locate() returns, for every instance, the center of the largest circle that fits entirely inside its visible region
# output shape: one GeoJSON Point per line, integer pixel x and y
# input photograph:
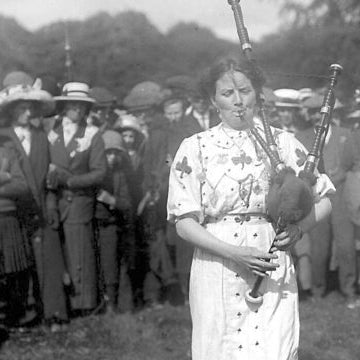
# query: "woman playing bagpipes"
{"type": "Point", "coordinates": [218, 198]}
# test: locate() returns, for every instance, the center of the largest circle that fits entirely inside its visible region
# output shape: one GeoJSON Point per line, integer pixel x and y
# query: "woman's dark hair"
{"type": "Point", "coordinates": [216, 71]}
{"type": "Point", "coordinates": [8, 112]}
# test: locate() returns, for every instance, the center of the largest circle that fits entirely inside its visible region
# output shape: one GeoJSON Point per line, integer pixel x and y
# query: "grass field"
{"type": "Point", "coordinates": [329, 331]}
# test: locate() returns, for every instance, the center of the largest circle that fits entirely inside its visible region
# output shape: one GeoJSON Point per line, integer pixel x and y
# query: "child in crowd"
{"type": "Point", "coordinates": [112, 210]}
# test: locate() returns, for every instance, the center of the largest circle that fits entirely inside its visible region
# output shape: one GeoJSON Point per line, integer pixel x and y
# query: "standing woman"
{"type": "Point", "coordinates": [78, 167]}
{"type": "Point", "coordinates": [219, 183]}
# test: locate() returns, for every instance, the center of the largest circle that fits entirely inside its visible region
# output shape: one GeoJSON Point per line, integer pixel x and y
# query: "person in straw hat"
{"type": "Point", "coordinates": [20, 103]}
{"type": "Point", "coordinates": [288, 108]}
{"type": "Point", "coordinates": [338, 225]}
{"type": "Point", "coordinates": [78, 167]}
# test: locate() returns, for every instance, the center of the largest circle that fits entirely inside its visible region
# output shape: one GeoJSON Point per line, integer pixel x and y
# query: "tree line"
{"type": "Point", "coordinates": [121, 50]}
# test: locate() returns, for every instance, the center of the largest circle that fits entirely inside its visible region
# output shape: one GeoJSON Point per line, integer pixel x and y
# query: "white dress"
{"type": "Point", "coordinates": [217, 175]}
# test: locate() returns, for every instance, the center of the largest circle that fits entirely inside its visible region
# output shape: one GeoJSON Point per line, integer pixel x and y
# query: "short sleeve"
{"type": "Point", "coordinates": [294, 154]}
{"type": "Point", "coordinates": [184, 198]}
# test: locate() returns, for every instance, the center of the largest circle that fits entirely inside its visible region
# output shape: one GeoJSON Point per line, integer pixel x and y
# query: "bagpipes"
{"type": "Point", "coordinates": [290, 197]}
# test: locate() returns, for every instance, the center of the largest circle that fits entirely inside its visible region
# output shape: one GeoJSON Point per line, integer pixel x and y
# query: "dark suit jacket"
{"type": "Point", "coordinates": [31, 207]}
{"type": "Point", "coordinates": [192, 126]}
{"type": "Point", "coordinates": [331, 158]}
{"type": "Point", "coordinates": [83, 159]}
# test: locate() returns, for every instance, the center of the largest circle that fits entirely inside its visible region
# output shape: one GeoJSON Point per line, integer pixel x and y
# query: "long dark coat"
{"type": "Point", "coordinates": [33, 215]}
{"type": "Point", "coordinates": [82, 164]}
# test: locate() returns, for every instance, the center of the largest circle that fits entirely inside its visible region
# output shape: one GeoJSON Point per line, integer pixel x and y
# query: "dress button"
{"type": "Point", "coordinates": [257, 343]}
{"type": "Point", "coordinates": [238, 330]}
{"type": "Point", "coordinates": [237, 294]}
{"type": "Point", "coordinates": [237, 219]}
{"type": "Point", "coordinates": [237, 275]}
{"type": "Point", "coordinates": [238, 314]}
{"type": "Point", "coordinates": [240, 347]}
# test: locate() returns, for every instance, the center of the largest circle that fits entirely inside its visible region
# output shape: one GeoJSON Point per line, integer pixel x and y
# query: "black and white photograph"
{"type": "Point", "coordinates": [179, 180]}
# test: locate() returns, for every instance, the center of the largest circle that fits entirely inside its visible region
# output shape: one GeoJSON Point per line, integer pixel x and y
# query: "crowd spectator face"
{"type": "Point", "coordinates": [129, 139]}
{"type": "Point", "coordinates": [174, 111]}
{"type": "Point", "coordinates": [144, 118]}
{"type": "Point", "coordinates": [75, 110]}
{"type": "Point", "coordinates": [23, 112]}
{"type": "Point", "coordinates": [99, 115]}
{"type": "Point", "coordinates": [235, 99]}
{"type": "Point", "coordinates": [200, 105]}
{"type": "Point", "coordinates": [286, 115]}
{"type": "Point", "coordinates": [111, 157]}
{"type": "Point", "coordinates": [314, 115]}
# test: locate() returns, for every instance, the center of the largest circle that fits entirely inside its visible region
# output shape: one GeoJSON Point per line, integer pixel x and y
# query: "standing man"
{"type": "Point", "coordinates": [78, 167]}
{"type": "Point", "coordinates": [288, 108]}
{"type": "Point", "coordinates": [102, 113]}
{"type": "Point", "coordinates": [22, 103]}
{"type": "Point", "coordinates": [201, 116]}
{"type": "Point", "coordinates": [338, 224]}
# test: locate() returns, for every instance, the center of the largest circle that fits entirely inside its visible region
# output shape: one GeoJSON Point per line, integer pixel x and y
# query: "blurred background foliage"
{"type": "Point", "coordinates": [121, 50]}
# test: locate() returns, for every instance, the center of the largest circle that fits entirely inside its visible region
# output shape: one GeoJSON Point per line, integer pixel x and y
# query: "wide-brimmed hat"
{"type": "Point", "coordinates": [288, 98]}
{"type": "Point", "coordinates": [32, 93]}
{"type": "Point", "coordinates": [17, 78]}
{"type": "Point", "coordinates": [316, 102]}
{"type": "Point", "coordinates": [313, 102]}
{"type": "Point", "coordinates": [144, 96]}
{"type": "Point", "coordinates": [103, 97]}
{"type": "Point", "coordinates": [75, 91]}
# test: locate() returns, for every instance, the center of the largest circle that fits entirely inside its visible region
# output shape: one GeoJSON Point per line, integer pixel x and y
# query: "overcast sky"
{"type": "Point", "coordinates": [261, 16]}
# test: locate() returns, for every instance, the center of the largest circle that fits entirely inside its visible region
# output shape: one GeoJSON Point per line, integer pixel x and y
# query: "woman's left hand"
{"type": "Point", "coordinates": [286, 239]}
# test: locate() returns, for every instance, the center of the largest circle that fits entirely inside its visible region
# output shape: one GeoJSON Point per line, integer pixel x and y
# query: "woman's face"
{"type": "Point", "coordinates": [235, 99]}
{"type": "Point", "coordinates": [23, 111]}
{"type": "Point", "coordinates": [75, 110]}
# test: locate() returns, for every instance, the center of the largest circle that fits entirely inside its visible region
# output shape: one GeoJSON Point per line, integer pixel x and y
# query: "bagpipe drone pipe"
{"type": "Point", "coordinates": [290, 197]}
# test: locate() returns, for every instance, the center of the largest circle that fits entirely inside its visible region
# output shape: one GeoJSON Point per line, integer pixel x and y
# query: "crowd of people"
{"type": "Point", "coordinates": [84, 184]}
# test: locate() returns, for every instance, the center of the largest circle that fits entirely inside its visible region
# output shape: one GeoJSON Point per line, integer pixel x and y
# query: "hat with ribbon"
{"type": "Point", "coordinates": [288, 98]}
{"type": "Point", "coordinates": [75, 91]}
{"type": "Point", "coordinates": [29, 93]}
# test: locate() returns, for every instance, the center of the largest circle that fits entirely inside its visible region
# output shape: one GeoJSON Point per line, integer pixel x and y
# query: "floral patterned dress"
{"type": "Point", "coordinates": [218, 176]}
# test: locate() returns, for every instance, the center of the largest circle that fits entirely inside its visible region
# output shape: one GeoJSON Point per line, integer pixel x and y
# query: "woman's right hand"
{"type": "Point", "coordinates": [258, 262]}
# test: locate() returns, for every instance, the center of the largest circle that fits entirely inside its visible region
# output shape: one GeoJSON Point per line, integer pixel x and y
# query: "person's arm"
{"type": "Point", "coordinates": [252, 258]}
